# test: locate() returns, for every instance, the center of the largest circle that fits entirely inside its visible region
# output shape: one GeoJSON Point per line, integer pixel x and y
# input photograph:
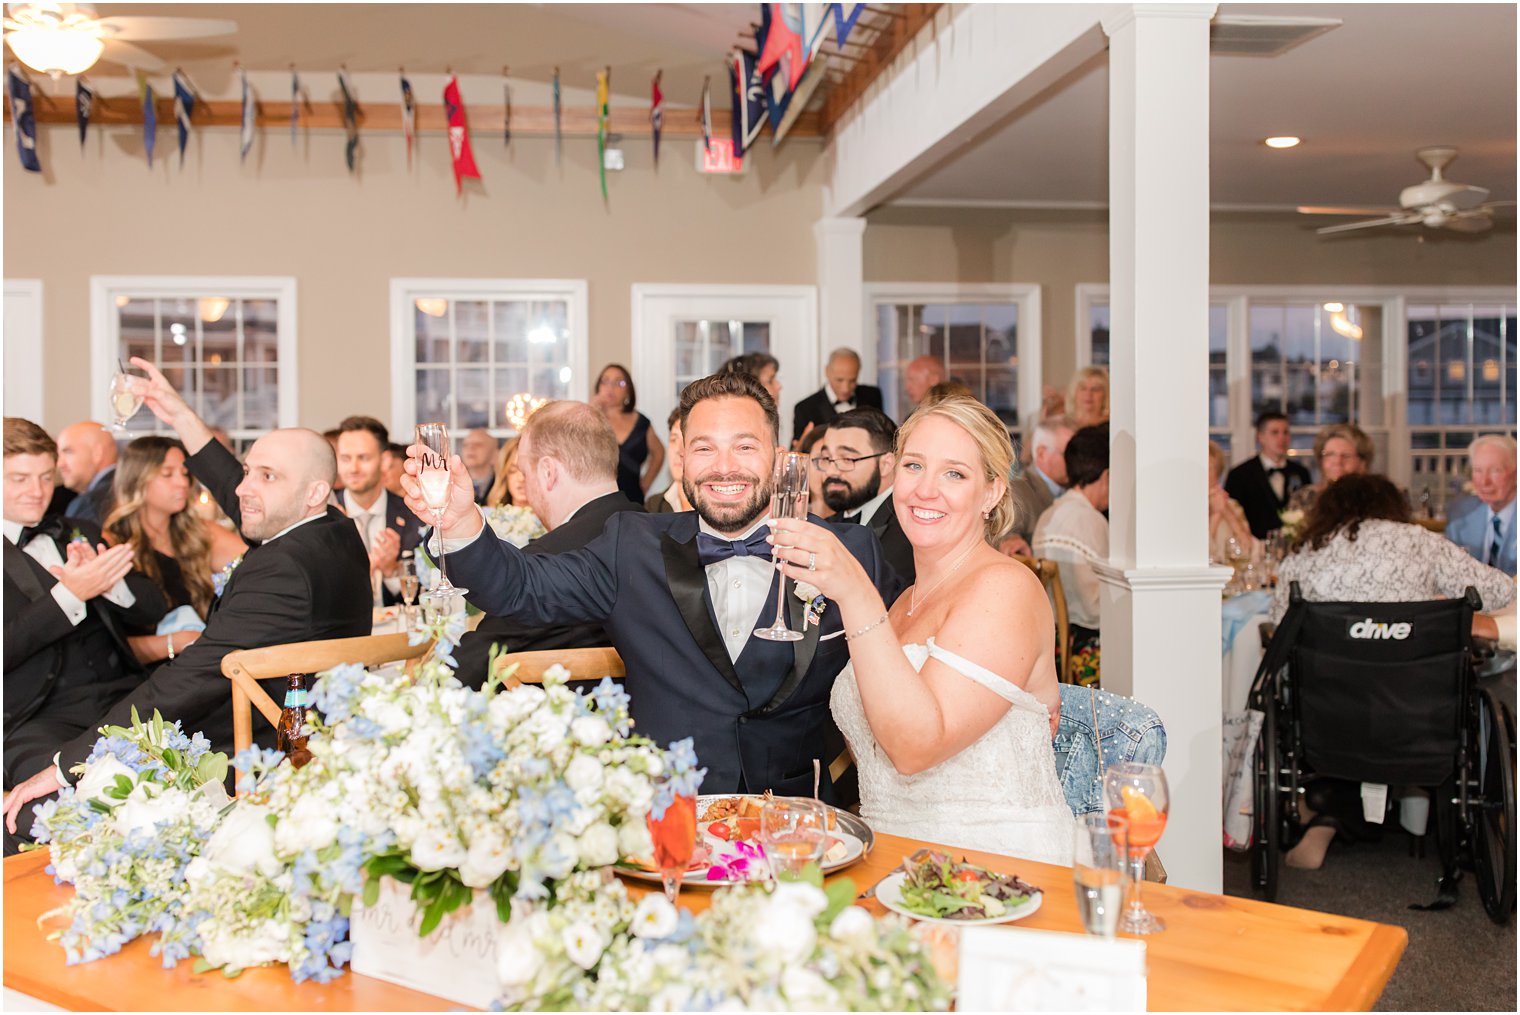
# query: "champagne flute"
{"type": "Point", "coordinates": [410, 586]}
{"type": "Point", "coordinates": [1097, 870]}
{"type": "Point", "coordinates": [433, 476]}
{"type": "Point", "coordinates": [1137, 792]}
{"type": "Point", "coordinates": [794, 832]}
{"type": "Point", "coordinates": [125, 400]}
{"type": "Point", "coordinates": [789, 499]}
{"type": "Point", "coordinates": [673, 830]}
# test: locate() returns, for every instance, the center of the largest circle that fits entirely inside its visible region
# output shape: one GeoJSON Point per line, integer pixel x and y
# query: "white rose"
{"type": "Point", "coordinates": [599, 845]}
{"type": "Point", "coordinates": [654, 917]}
{"type": "Point", "coordinates": [584, 773]}
{"type": "Point", "coordinates": [487, 859]}
{"type": "Point", "coordinates": [784, 932]}
{"type": "Point", "coordinates": [565, 852]}
{"type": "Point", "coordinates": [583, 944]}
{"type": "Point", "coordinates": [98, 776]}
{"type": "Point", "coordinates": [806, 990]}
{"type": "Point", "coordinates": [437, 848]}
{"type": "Point", "coordinates": [634, 840]}
{"type": "Point", "coordinates": [142, 810]}
{"type": "Point", "coordinates": [852, 923]}
{"type": "Point", "coordinates": [518, 959]}
{"type": "Point", "coordinates": [244, 842]}
{"type": "Point", "coordinates": [801, 896]}
{"type": "Point", "coordinates": [309, 825]}
{"type": "Point", "coordinates": [591, 730]}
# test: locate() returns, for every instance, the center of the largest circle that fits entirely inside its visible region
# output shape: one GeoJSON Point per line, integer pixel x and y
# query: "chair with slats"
{"type": "Point", "coordinates": [1049, 573]}
{"type": "Point", "coordinates": [583, 663]}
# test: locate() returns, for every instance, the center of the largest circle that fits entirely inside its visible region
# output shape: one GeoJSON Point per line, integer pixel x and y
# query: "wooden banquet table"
{"type": "Point", "coordinates": [1218, 953]}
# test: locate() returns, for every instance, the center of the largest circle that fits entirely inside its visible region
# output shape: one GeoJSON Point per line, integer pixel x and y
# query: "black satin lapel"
{"type": "Point", "coordinates": [20, 567]}
{"type": "Point", "coordinates": [687, 581]}
{"type": "Point", "coordinates": [802, 651]}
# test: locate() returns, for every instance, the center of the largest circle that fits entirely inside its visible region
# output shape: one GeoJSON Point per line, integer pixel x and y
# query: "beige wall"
{"type": "Point", "coordinates": [297, 212]}
{"type": "Point", "coordinates": [1060, 249]}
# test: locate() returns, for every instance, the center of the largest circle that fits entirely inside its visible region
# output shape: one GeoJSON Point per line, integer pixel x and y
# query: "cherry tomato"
{"type": "Point", "coordinates": [720, 830]}
{"type": "Point", "coordinates": [967, 876]}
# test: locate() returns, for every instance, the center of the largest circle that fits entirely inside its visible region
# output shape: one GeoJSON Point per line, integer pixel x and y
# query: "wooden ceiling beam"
{"type": "Point", "coordinates": [891, 39]}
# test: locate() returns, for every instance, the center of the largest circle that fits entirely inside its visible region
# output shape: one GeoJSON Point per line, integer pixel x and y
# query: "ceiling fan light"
{"type": "Point", "coordinates": [54, 52]}
{"type": "Point", "coordinates": [1286, 141]}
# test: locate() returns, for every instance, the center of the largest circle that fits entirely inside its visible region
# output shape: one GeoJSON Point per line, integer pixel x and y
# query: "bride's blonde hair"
{"type": "Point", "coordinates": [992, 443]}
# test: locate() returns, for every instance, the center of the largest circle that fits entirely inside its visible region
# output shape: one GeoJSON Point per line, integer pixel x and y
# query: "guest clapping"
{"type": "Point", "coordinates": [640, 453]}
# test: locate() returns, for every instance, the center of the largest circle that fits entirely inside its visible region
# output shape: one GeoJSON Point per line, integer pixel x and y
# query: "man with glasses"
{"type": "Point", "coordinates": [858, 466]}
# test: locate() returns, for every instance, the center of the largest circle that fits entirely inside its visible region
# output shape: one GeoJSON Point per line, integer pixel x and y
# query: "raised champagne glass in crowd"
{"type": "Point", "coordinates": [433, 476]}
{"type": "Point", "coordinates": [789, 499]}
{"type": "Point", "coordinates": [1138, 793]}
{"type": "Point", "coordinates": [126, 399]}
{"type": "Point", "coordinates": [1098, 870]}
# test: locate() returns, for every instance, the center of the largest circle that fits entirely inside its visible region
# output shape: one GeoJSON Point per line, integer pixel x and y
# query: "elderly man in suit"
{"type": "Point", "coordinates": [568, 455]}
{"type": "Point", "coordinates": [1262, 484]}
{"type": "Point", "coordinates": [87, 463]}
{"type": "Point", "coordinates": [386, 525]}
{"type": "Point", "coordinates": [841, 393]}
{"type": "Point", "coordinates": [859, 468]}
{"type": "Point", "coordinates": [303, 579]}
{"type": "Point", "coordinates": [66, 599]}
{"type": "Point", "coordinates": [1484, 524]}
{"type": "Point", "coordinates": [1038, 485]}
{"type": "Point", "coordinates": [680, 596]}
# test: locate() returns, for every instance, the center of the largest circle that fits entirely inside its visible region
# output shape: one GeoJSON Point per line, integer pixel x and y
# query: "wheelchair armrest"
{"type": "Point", "coordinates": [1268, 629]}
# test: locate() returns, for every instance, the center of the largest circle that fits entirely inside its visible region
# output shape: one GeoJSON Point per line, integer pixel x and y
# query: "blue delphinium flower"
{"type": "Point", "coordinates": [335, 691]}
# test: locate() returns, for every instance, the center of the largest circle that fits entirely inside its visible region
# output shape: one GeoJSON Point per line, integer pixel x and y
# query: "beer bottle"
{"type": "Point", "coordinates": [289, 736]}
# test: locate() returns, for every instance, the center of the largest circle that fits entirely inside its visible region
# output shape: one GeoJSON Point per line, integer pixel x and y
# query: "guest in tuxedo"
{"type": "Point", "coordinates": [680, 595]}
{"type": "Point", "coordinates": [1263, 484]}
{"type": "Point", "coordinates": [510, 486]}
{"type": "Point", "coordinates": [840, 393]}
{"type": "Point", "coordinates": [478, 452]}
{"type": "Point", "coordinates": [304, 579]}
{"type": "Point", "coordinates": [858, 467]}
{"type": "Point", "coordinates": [1484, 524]}
{"type": "Point", "coordinates": [762, 366]}
{"type": "Point", "coordinates": [640, 453]}
{"type": "Point", "coordinates": [66, 601]}
{"type": "Point", "coordinates": [672, 498]}
{"type": "Point", "coordinates": [87, 463]}
{"type": "Point", "coordinates": [569, 458]}
{"type": "Point", "coordinates": [920, 375]}
{"type": "Point", "coordinates": [1040, 482]}
{"type": "Point", "coordinates": [385, 524]}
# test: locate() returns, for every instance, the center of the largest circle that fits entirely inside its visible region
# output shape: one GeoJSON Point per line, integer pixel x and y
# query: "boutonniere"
{"type": "Point", "coordinates": [815, 603]}
{"type": "Point", "coordinates": [78, 537]}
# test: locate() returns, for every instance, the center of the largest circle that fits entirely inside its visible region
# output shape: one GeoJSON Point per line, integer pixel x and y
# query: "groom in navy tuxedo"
{"type": "Point", "coordinates": [680, 594]}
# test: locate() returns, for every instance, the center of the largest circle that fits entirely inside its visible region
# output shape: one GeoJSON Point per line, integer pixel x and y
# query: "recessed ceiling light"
{"type": "Point", "coordinates": [1282, 142]}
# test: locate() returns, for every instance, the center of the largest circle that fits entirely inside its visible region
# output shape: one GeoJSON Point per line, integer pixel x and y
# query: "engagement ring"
{"type": "Point", "coordinates": [812, 562]}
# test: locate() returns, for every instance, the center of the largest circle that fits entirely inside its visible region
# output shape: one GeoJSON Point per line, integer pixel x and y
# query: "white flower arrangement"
{"type": "Point", "coordinates": [516, 523]}
{"type": "Point", "coordinates": [1292, 522]}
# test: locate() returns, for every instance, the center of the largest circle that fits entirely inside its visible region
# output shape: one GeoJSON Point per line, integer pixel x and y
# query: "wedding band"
{"type": "Point", "coordinates": [812, 562]}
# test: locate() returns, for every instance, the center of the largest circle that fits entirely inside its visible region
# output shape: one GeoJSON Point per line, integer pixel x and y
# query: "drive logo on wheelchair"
{"type": "Point", "coordinates": [1372, 630]}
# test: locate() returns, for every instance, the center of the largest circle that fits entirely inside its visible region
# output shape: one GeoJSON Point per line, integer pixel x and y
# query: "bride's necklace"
{"type": "Point", "coordinates": [913, 600]}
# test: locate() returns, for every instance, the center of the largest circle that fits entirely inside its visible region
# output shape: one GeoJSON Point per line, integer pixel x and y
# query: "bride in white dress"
{"type": "Point", "coordinates": [950, 699]}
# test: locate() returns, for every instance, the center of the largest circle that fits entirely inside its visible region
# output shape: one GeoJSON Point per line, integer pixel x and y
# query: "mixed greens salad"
{"type": "Point", "coordinates": [935, 885]}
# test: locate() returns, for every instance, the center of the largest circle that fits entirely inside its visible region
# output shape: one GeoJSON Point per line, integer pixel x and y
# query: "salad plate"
{"type": "Point", "coordinates": [935, 889]}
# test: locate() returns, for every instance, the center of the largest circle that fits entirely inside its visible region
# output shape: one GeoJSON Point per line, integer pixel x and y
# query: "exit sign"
{"type": "Point", "coordinates": [720, 158]}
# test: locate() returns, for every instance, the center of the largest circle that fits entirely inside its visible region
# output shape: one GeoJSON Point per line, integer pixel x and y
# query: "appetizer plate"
{"type": "Point", "coordinates": [848, 829]}
{"type": "Point", "coordinates": [889, 894]}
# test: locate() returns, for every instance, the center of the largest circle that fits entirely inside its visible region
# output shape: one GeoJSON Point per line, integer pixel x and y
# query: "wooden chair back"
{"type": "Point", "coordinates": [583, 664]}
{"type": "Point", "coordinates": [247, 667]}
{"type": "Point", "coordinates": [1049, 574]}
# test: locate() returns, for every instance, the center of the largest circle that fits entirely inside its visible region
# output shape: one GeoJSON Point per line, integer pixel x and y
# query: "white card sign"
{"type": "Point", "coordinates": [457, 961]}
{"type": "Point", "coordinates": [1011, 969]}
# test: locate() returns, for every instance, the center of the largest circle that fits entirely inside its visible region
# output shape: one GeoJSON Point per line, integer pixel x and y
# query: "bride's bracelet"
{"type": "Point", "coordinates": [873, 625]}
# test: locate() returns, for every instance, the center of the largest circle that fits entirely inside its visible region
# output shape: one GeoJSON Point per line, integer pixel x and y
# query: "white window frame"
{"type": "Point", "coordinates": [105, 324]}
{"type": "Point", "coordinates": [25, 362]}
{"type": "Point", "coordinates": [1027, 296]}
{"type": "Point", "coordinates": [404, 291]}
{"type": "Point", "coordinates": [1393, 387]}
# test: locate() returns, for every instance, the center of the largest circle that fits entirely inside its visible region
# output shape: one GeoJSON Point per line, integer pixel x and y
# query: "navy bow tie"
{"type": "Point", "coordinates": [47, 527]}
{"type": "Point", "coordinates": [713, 550]}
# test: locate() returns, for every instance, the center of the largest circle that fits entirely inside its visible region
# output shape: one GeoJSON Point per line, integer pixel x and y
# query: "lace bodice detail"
{"type": "Point", "coordinates": [1000, 794]}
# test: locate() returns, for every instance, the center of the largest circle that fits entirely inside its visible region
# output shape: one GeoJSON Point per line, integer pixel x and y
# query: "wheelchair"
{"type": "Point", "coordinates": [1387, 693]}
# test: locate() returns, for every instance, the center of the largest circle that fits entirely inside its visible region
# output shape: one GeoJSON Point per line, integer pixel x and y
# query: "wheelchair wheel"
{"type": "Point", "coordinates": [1267, 843]}
{"type": "Point", "coordinates": [1492, 813]}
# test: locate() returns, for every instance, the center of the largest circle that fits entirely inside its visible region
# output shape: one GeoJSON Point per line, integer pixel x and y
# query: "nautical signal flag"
{"type": "Point", "coordinates": [459, 136]}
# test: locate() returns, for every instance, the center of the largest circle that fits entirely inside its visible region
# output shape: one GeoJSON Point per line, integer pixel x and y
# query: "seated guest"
{"type": "Point", "coordinates": [391, 460]}
{"type": "Point", "coordinates": [809, 446]}
{"type": "Point", "coordinates": [672, 498]}
{"type": "Point", "coordinates": [640, 453]}
{"type": "Point", "coordinates": [840, 393]}
{"type": "Point", "coordinates": [172, 545]}
{"type": "Point", "coordinates": [478, 452]}
{"type": "Point", "coordinates": [384, 522]}
{"type": "Point", "coordinates": [87, 462]}
{"type": "Point", "coordinates": [762, 366]}
{"type": "Point", "coordinates": [1073, 532]}
{"type": "Point", "coordinates": [509, 487]}
{"type": "Point", "coordinates": [1227, 519]}
{"type": "Point", "coordinates": [1484, 524]}
{"type": "Point", "coordinates": [859, 468]}
{"type": "Point", "coordinates": [1089, 396]}
{"type": "Point", "coordinates": [569, 457]}
{"type": "Point", "coordinates": [920, 375]}
{"type": "Point", "coordinates": [67, 601]}
{"type": "Point", "coordinates": [1339, 449]}
{"type": "Point", "coordinates": [304, 579]}
{"type": "Point", "coordinates": [1037, 486]}
{"type": "Point", "coordinates": [1263, 484]}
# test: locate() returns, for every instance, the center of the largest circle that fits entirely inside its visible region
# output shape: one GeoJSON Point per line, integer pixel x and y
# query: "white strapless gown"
{"type": "Point", "coordinates": [1000, 794]}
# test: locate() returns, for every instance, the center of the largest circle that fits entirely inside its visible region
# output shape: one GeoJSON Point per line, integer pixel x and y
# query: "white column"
{"type": "Point", "coordinates": [1160, 620]}
{"type": "Point", "coordinates": [842, 291]}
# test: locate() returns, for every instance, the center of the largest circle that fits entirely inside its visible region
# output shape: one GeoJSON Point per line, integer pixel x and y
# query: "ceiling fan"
{"type": "Point", "coordinates": [1437, 202]}
{"type": "Point", "coordinates": [58, 38]}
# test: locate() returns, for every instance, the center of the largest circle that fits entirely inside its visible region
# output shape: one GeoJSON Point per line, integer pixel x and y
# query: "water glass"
{"type": "Point", "coordinates": [1099, 862]}
{"type": "Point", "coordinates": [794, 832]}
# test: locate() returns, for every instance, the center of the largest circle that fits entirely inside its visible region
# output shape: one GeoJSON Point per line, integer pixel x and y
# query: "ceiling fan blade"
{"type": "Point", "coordinates": [1315, 209]}
{"type": "Point", "coordinates": [1391, 220]}
{"type": "Point", "coordinates": [1467, 197]}
{"type": "Point", "coordinates": [1470, 223]}
{"type": "Point", "coordinates": [1494, 204]}
{"type": "Point", "coordinates": [128, 27]}
{"type": "Point", "coordinates": [127, 55]}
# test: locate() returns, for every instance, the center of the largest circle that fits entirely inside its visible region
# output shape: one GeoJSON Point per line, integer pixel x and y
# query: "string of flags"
{"type": "Point", "coordinates": [769, 85]}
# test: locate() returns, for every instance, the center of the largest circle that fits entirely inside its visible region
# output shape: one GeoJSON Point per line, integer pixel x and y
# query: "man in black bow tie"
{"type": "Point", "coordinates": [1264, 483]}
{"type": "Point", "coordinates": [681, 594]}
{"type": "Point", "coordinates": [841, 393]}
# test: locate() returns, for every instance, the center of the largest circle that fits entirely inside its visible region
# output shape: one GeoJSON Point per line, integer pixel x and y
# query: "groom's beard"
{"type": "Point", "coordinates": [729, 518]}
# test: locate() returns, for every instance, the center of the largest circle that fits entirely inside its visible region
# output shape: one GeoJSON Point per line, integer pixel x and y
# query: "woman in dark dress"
{"type": "Point", "coordinates": [640, 453]}
{"type": "Point", "coordinates": [172, 544]}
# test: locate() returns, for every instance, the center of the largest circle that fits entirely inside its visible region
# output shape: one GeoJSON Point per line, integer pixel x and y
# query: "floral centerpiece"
{"type": "Point", "coordinates": [516, 523]}
{"type": "Point", "coordinates": [1292, 523]}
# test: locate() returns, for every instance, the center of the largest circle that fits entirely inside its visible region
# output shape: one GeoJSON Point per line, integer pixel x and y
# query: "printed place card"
{"type": "Point", "coordinates": [1010, 969]}
{"type": "Point", "coordinates": [456, 962]}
